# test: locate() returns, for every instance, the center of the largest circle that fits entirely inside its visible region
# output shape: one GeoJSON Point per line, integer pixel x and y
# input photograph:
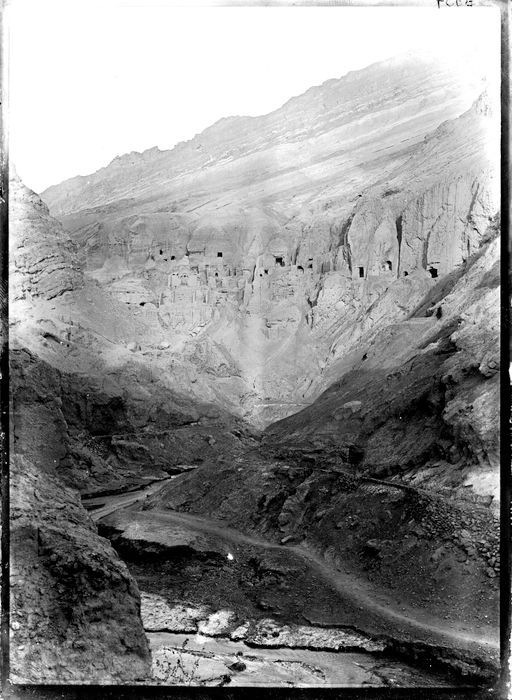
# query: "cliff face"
{"type": "Point", "coordinates": [392, 473]}
{"type": "Point", "coordinates": [277, 237]}
{"type": "Point", "coordinates": [390, 105]}
{"type": "Point", "coordinates": [86, 399]}
{"type": "Point", "coordinates": [421, 397]}
{"type": "Point", "coordinates": [329, 271]}
{"type": "Point", "coordinates": [75, 609]}
{"type": "Point", "coordinates": [39, 268]}
{"type": "Point", "coordinates": [86, 418]}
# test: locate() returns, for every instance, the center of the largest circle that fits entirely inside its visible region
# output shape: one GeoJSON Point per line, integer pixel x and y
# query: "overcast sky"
{"type": "Point", "coordinates": [89, 81]}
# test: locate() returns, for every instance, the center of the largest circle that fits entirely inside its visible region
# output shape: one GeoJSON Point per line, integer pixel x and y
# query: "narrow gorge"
{"type": "Point", "coordinates": [255, 398]}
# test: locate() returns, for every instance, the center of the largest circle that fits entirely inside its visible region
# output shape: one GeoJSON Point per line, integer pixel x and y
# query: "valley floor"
{"type": "Point", "coordinates": [221, 606]}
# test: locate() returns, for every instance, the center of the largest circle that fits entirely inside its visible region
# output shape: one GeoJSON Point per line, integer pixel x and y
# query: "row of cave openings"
{"type": "Point", "coordinates": [280, 262]}
{"type": "Point", "coordinates": [193, 268]}
{"type": "Point", "coordinates": [279, 259]}
{"type": "Point", "coordinates": [387, 266]}
{"type": "Point", "coordinates": [173, 257]}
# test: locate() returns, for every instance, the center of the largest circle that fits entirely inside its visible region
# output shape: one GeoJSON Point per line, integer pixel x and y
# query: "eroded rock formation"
{"type": "Point", "coordinates": [75, 608]}
{"type": "Point", "coordinates": [237, 263]}
{"type": "Point", "coordinates": [328, 272]}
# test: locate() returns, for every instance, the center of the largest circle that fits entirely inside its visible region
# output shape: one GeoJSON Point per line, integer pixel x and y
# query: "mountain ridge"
{"type": "Point", "coordinates": [294, 104]}
{"type": "Point", "coordinates": [331, 277]}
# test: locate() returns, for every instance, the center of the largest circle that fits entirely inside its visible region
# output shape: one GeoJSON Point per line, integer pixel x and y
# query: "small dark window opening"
{"type": "Point", "coordinates": [280, 261]}
{"type": "Point", "coordinates": [439, 312]}
{"type": "Point", "coordinates": [433, 271]}
{"type": "Point", "coordinates": [173, 257]}
{"type": "Point", "coordinates": [361, 272]}
{"type": "Point", "coordinates": [365, 356]}
{"type": "Point", "coordinates": [165, 259]}
{"type": "Point", "coordinates": [310, 266]}
{"type": "Point", "coordinates": [219, 255]}
{"type": "Point", "coordinates": [142, 303]}
{"type": "Point", "coordinates": [261, 274]}
{"type": "Point", "coordinates": [161, 252]}
{"type": "Point", "coordinates": [216, 274]}
{"type": "Point", "coordinates": [266, 272]}
{"type": "Point", "coordinates": [299, 267]}
{"type": "Point", "coordinates": [406, 273]}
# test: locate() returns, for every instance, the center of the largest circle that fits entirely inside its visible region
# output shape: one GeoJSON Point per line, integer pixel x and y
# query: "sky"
{"type": "Point", "coordinates": [93, 80]}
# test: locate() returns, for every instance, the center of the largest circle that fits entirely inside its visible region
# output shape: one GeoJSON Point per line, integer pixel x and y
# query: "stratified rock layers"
{"type": "Point", "coordinates": [83, 418]}
{"type": "Point", "coordinates": [257, 248]}
{"type": "Point", "coordinates": [333, 264]}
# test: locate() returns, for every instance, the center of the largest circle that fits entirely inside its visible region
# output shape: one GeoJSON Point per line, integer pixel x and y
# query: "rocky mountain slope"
{"type": "Point", "coordinates": [392, 474]}
{"type": "Point", "coordinates": [87, 417]}
{"type": "Point", "coordinates": [82, 398]}
{"type": "Point", "coordinates": [328, 272]}
{"type": "Point", "coordinates": [278, 237]}
{"type": "Point", "coordinates": [75, 608]}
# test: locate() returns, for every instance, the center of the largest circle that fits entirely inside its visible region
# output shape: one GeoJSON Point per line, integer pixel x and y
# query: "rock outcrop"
{"type": "Point", "coordinates": [85, 415]}
{"type": "Point", "coordinates": [289, 235]}
{"type": "Point", "coordinates": [85, 398]}
{"type": "Point", "coordinates": [328, 272]}
{"type": "Point", "coordinates": [75, 609]}
{"type": "Point", "coordinates": [422, 398]}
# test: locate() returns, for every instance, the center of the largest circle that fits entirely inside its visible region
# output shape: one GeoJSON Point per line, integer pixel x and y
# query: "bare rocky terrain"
{"type": "Point", "coordinates": [268, 362]}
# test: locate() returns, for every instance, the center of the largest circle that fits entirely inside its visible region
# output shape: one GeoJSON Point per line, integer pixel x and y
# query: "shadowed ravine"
{"type": "Point", "coordinates": [255, 388]}
{"type": "Point", "coordinates": [402, 634]}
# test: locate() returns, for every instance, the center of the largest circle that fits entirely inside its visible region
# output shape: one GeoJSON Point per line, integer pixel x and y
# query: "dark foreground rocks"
{"type": "Point", "coordinates": [75, 609]}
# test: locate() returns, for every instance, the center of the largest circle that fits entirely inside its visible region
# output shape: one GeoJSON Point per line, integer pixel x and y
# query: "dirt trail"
{"type": "Point", "coordinates": [101, 506]}
{"type": "Point", "coordinates": [407, 624]}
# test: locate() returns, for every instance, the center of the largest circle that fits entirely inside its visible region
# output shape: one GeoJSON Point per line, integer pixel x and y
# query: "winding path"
{"type": "Point", "coordinates": [101, 506]}
{"type": "Point", "coordinates": [410, 625]}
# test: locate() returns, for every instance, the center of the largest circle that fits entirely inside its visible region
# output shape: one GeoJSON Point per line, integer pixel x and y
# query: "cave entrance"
{"type": "Point", "coordinates": [300, 268]}
{"type": "Point", "coordinates": [361, 272]}
{"type": "Point", "coordinates": [173, 257]}
{"type": "Point", "coordinates": [279, 261]}
{"type": "Point", "coordinates": [219, 254]}
{"type": "Point", "coordinates": [406, 273]}
{"type": "Point", "coordinates": [388, 266]}
{"type": "Point", "coordinates": [433, 272]}
{"type": "Point", "coordinates": [161, 252]}
{"type": "Point", "coordinates": [265, 271]}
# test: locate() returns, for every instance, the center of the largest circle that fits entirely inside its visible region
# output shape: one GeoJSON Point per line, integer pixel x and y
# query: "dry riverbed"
{"type": "Point", "coordinates": [192, 646]}
{"type": "Point", "coordinates": [221, 607]}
